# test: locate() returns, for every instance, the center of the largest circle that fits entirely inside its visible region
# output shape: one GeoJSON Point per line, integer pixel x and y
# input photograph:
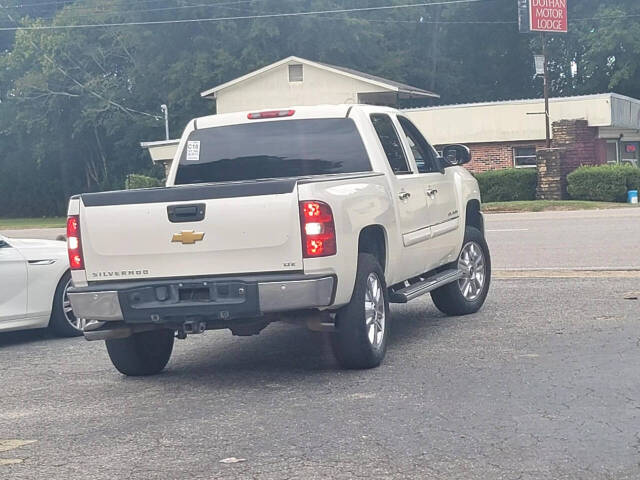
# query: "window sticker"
{"type": "Point", "coordinates": [193, 151]}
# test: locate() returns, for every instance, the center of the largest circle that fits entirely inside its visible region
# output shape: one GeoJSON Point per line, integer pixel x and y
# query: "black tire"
{"type": "Point", "coordinates": [450, 298]}
{"type": "Point", "coordinates": [144, 353]}
{"type": "Point", "coordinates": [351, 344]}
{"type": "Point", "coordinates": [59, 323]}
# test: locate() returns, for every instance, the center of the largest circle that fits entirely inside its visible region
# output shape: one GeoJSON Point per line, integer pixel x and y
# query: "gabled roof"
{"type": "Point", "coordinates": [390, 85]}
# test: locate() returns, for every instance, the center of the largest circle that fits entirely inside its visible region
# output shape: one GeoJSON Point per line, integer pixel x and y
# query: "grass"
{"type": "Point", "coordinates": [25, 223]}
{"type": "Point", "coordinates": [548, 205]}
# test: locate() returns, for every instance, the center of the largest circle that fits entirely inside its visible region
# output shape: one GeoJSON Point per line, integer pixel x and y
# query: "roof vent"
{"type": "Point", "coordinates": [296, 73]}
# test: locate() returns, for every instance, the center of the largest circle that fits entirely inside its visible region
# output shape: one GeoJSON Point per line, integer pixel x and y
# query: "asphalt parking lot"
{"type": "Point", "coordinates": [595, 239]}
{"type": "Point", "coordinates": [544, 382]}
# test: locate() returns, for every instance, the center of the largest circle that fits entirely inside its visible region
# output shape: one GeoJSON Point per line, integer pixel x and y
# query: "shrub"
{"type": "Point", "coordinates": [633, 179]}
{"type": "Point", "coordinates": [134, 181]}
{"type": "Point", "coordinates": [606, 183]}
{"type": "Point", "coordinates": [508, 185]}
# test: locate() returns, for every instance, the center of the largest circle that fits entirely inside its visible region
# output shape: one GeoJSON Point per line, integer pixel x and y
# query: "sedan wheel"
{"type": "Point", "coordinates": [63, 322]}
{"type": "Point", "coordinates": [77, 323]}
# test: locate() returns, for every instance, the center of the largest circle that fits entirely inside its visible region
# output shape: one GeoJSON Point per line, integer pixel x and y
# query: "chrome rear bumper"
{"type": "Point", "coordinates": [103, 306]}
{"type": "Point", "coordinates": [163, 301]}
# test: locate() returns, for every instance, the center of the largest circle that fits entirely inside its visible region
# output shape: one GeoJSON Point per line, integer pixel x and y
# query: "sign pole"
{"type": "Point", "coordinates": [543, 16]}
{"type": "Point", "coordinates": [546, 89]}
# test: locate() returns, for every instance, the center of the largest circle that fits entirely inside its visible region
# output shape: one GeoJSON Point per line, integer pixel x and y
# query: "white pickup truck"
{"type": "Point", "coordinates": [322, 215]}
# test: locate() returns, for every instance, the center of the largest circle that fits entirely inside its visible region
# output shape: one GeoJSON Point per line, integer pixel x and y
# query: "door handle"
{"type": "Point", "coordinates": [404, 196]}
{"type": "Point", "coordinates": [431, 192]}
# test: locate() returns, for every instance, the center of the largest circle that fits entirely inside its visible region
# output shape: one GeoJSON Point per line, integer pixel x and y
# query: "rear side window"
{"type": "Point", "coordinates": [390, 143]}
{"type": "Point", "coordinates": [272, 149]}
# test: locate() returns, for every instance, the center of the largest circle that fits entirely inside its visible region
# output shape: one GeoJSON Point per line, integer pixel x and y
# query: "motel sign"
{"type": "Point", "coordinates": [543, 16]}
{"type": "Point", "coordinates": [548, 15]}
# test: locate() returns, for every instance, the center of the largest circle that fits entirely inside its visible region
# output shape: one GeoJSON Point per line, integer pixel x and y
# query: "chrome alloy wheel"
{"type": "Point", "coordinates": [374, 310]}
{"type": "Point", "coordinates": [77, 323]}
{"type": "Point", "coordinates": [472, 265]}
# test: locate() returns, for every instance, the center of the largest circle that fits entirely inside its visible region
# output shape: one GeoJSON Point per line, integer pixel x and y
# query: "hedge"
{"type": "Point", "coordinates": [606, 183]}
{"type": "Point", "coordinates": [134, 181]}
{"type": "Point", "coordinates": [508, 185]}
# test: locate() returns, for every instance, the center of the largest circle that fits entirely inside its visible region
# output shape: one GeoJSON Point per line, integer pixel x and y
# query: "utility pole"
{"type": "Point", "coordinates": [546, 89]}
{"type": "Point", "coordinates": [434, 47]}
{"type": "Point", "coordinates": [543, 16]}
{"type": "Point", "coordinates": [165, 111]}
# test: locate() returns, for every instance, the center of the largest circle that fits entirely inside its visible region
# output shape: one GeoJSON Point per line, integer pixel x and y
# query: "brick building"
{"type": "Point", "coordinates": [591, 130]}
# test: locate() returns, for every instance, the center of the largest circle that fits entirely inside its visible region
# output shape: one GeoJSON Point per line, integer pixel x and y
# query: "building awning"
{"type": "Point", "coordinates": [523, 120]}
{"type": "Point", "coordinates": [162, 151]}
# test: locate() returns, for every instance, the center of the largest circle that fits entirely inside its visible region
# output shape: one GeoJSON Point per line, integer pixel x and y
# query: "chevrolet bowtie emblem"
{"type": "Point", "coordinates": [187, 237]}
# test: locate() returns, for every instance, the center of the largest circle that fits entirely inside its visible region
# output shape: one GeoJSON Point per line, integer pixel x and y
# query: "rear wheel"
{"type": "Point", "coordinates": [468, 294]}
{"type": "Point", "coordinates": [144, 353]}
{"type": "Point", "coordinates": [63, 322]}
{"type": "Point", "coordinates": [360, 339]}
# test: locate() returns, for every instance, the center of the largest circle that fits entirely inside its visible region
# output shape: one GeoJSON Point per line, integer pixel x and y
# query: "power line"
{"type": "Point", "coordinates": [471, 22]}
{"type": "Point", "coordinates": [91, 13]}
{"type": "Point", "coordinates": [88, 11]}
{"type": "Point", "coordinates": [427, 22]}
{"type": "Point", "coordinates": [610, 17]}
{"type": "Point", "coordinates": [243, 17]}
{"type": "Point", "coordinates": [475, 22]}
{"type": "Point", "coordinates": [66, 2]}
{"type": "Point", "coordinates": [282, 15]}
{"type": "Point", "coordinates": [26, 5]}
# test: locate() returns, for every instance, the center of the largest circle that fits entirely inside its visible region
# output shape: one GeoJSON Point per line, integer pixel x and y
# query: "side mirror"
{"type": "Point", "coordinates": [3, 244]}
{"type": "Point", "coordinates": [456, 154]}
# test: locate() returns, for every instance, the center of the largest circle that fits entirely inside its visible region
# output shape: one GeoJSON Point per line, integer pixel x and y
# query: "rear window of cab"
{"type": "Point", "coordinates": [272, 149]}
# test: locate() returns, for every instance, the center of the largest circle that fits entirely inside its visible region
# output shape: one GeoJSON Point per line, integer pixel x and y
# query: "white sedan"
{"type": "Point", "coordinates": [34, 278]}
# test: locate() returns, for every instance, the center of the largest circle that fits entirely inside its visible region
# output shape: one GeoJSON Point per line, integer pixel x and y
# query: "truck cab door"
{"type": "Point", "coordinates": [439, 189]}
{"type": "Point", "coordinates": [409, 199]}
{"type": "Point", "coordinates": [13, 283]}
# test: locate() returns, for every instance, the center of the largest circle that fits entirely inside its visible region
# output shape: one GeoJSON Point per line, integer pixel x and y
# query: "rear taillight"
{"type": "Point", "coordinates": [74, 243]}
{"type": "Point", "coordinates": [271, 114]}
{"type": "Point", "coordinates": [318, 230]}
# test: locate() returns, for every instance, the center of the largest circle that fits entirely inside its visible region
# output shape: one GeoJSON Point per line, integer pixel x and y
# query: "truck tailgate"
{"type": "Point", "coordinates": [251, 227]}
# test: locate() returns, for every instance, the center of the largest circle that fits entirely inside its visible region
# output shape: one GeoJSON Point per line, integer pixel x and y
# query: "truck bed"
{"type": "Point", "coordinates": [246, 228]}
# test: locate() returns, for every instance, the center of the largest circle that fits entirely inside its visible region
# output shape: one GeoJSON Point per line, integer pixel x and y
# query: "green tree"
{"type": "Point", "coordinates": [74, 104]}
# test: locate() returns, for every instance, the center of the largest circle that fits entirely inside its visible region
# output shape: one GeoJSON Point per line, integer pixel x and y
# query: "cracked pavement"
{"type": "Point", "coordinates": [543, 383]}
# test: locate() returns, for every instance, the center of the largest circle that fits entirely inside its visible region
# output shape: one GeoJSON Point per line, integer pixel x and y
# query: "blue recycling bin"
{"type": "Point", "coordinates": [632, 196]}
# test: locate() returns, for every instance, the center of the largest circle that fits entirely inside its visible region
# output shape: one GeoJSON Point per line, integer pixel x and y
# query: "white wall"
{"type": "Point", "coordinates": [506, 121]}
{"type": "Point", "coordinates": [626, 112]}
{"type": "Point", "coordinates": [272, 89]}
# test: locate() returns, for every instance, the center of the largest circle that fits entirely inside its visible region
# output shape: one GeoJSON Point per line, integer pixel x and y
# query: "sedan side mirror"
{"type": "Point", "coordinates": [456, 154]}
{"type": "Point", "coordinates": [3, 244]}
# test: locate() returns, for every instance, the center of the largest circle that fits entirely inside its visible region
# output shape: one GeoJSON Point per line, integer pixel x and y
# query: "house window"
{"type": "Point", "coordinates": [296, 73]}
{"type": "Point", "coordinates": [524, 157]}
{"type": "Point", "coordinates": [612, 152]}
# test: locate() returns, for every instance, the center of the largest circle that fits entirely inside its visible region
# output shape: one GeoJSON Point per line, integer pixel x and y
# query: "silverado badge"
{"type": "Point", "coordinates": [187, 237]}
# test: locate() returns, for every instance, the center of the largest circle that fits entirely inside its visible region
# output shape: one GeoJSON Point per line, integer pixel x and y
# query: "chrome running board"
{"type": "Point", "coordinates": [423, 285]}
